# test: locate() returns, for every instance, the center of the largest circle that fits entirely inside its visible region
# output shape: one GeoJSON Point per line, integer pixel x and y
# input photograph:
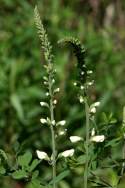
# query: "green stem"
{"type": "Point", "coordinates": [52, 132]}
{"type": "Point", "coordinates": [87, 144]}
{"type": "Point", "coordinates": [123, 157]}
{"type": "Point", "coordinates": [123, 149]}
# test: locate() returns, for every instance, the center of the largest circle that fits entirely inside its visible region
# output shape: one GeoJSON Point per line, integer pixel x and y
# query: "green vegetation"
{"type": "Point", "coordinates": [99, 25]}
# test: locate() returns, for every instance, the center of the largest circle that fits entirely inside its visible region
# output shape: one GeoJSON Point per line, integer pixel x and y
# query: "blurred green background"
{"type": "Point", "coordinates": [100, 25]}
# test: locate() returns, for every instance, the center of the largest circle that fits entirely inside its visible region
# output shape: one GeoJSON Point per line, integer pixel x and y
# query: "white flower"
{"type": "Point", "coordinates": [82, 87]}
{"type": "Point", "coordinates": [93, 110]}
{"type": "Point", "coordinates": [82, 73]}
{"type": "Point", "coordinates": [90, 83]}
{"type": "Point", "coordinates": [45, 83]}
{"type": "Point", "coordinates": [42, 155]}
{"type": "Point", "coordinates": [44, 104]}
{"type": "Point", "coordinates": [47, 94]}
{"type": "Point", "coordinates": [93, 107]}
{"type": "Point", "coordinates": [98, 138]}
{"type": "Point", "coordinates": [61, 132]}
{"type": "Point", "coordinates": [96, 104]}
{"type": "Point", "coordinates": [63, 122]}
{"type": "Point", "coordinates": [68, 153]}
{"type": "Point", "coordinates": [53, 122]}
{"type": "Point", "coordinates": [57, 90]}
{"type": "Point", "coordinates": [81, 99]}
{"type": "Point", "coordinates": [45, 78]}
{"type": "Point", "coordinates": [43, 121]}
{"type": "Point", "coordinates": [75, 139]}
{"type": "Point", "coordinates": [93, 132]}
{"type": "Point", "coordinates": [74, 83]}
{"type": "Point", "coordinates": [55, 101]}
{"type": "Point", "coordinates": [89, 72]}
{"type": "Point", "coordinates": [53, 81]}
{"type": "Point", "coordinates": [83, 65]}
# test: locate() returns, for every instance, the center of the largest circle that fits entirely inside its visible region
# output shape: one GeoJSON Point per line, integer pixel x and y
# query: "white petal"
{"type": "Point", "coordinates": [43, 121]}
{"type": "Point", "coordinates": [68, 153]}
{"type": "Point", "coordinates": [82, 73]}
{"type": "Point", "coordinates": [63, 122]}
{"type": "Point", "coordinates": [93, 132]}
{"type": "Point", "coordinates": [47, 94]}
{"type": "Point", "coordinates": [81, 99]}
{"type": "Point", "coordinates": [98, 138]}
{"type": "Point", "coordinates": [44, 104]}
{"type": "Point", "coordinates": [74, 139]}
{"type": "Point", "coordinates": [89, 72]}
{"type": "Point", "coordinates": [90, 83]}
{"type": "Point", "coordinates": [53, 81]}
{"type": "Point", "coordinates": [42, 155]}
{"type": "Point", "coordinates": [55, 101]}
{"type": "Point", "coordinates": [82, 87]}
{"type": "Point", "coordinates": [61, 132]}
{"type": "Point", "coordinates": [57, 90]}
{"type": "Point", "coordinates": [75, 84]}
{"type": "Point", "coordinates": [93, 110]}
{"type": "Point", "coordinates": [96, 104]}
{"type": "Point", "coordinates": [53, 122]}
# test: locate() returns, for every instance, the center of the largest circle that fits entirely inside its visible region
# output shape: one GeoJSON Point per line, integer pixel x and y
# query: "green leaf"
{"type": "Point", "coordinates": [60, 177]}
{"type": "Point", "coordinates": [3, 154]}
{"type": "Point", "coordinates": [25, 159]}
{"type": "Point", "coordinates": [2, 170]}
{"type": "Point", "coordinates": [36, 184]}
{"type": "Point", "coordinates": [35, 174]}
{"type": "Point", "coordinates": [81, 159]}
{"type": "Point", "coordinates": [34, 164]}
{"type": "Point", "coordinates": [19, 174]}
{"type": "Point", "coordinates": [17, 105]}
{"type": "Point", "coordinates": [113, 142]}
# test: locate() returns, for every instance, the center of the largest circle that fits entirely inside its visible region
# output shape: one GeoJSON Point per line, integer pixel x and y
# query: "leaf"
{"type": "Point", "coordinates": [19, 174]}
{"type": "Point", "coordinates": [36, 184]}
{"type": "Point", "coordinates": [2, 170]}
{"type": "Point", "coordinates": [3, 154]}
{"type": "Point", "coordinates": [34, 164]}
{"type": "Point", "coordinates": [25, 159]}
{"type": "Point", "coordinates": [35, 174]}
{"type": "Point", "coordinates": [81, 159]}
{"type": "Point", "coordinates": [17, 105]}
{"type": "Point", "coordinates": [113, 142]}
{"type": "Point", "coordinates": [60, 177]}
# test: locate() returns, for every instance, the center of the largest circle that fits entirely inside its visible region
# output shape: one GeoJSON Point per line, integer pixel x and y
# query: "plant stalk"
{"type": "Point", "coordinates": [52, 132]}
{"type": "Point", "coordinates": [123, 157]}
{"type": "Point", "coordinates": [123, 149]}
{"type": "Point", "coordinates": [87, 144]}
